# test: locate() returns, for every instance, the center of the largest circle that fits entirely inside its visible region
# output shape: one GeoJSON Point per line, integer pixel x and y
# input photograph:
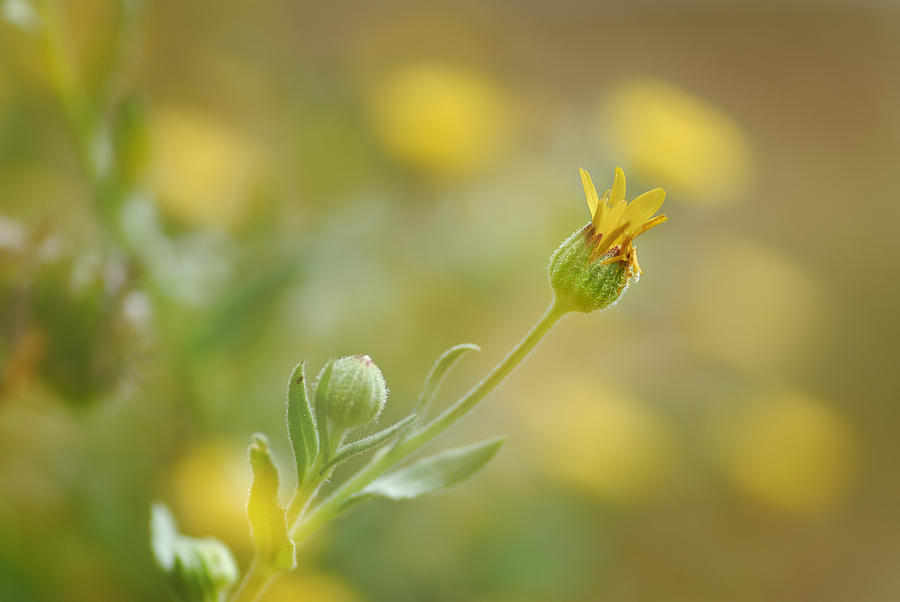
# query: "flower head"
{"type": "Point", "coordinates": [594, 266]}
{"type": "Point", "coordinates": [615, 222]}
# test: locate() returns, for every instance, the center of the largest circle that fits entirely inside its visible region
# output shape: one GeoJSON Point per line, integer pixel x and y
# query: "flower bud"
{"type": "Point", "coordinates": [351, 392]}
{"type": "Point", "coordinates": [200, 569]}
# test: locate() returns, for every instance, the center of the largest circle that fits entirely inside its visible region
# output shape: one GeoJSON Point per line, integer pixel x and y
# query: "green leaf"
{"type": "Point", "coordinates": [301, 424]}
{"type": "Point", "coordinates": [198, 570]}
{"type": "Point", "coordinates": [435, 473]}
{"type": "Point", "coordinates": [320, 396]}
{"type": "Point", "coordinates": [438, 372]}
{"type": "Point", "coordinates": [345, 452]}
{"type": "Point", "coordinates": [268, 524]}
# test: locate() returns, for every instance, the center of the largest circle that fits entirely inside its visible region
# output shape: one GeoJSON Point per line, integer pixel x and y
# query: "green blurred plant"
{"type": "Point", "coordinates": [72, 320]}
{"type": "Point", "coordinates": [66, 313]}
{"type": "Point", "coordinates": [201, 294]}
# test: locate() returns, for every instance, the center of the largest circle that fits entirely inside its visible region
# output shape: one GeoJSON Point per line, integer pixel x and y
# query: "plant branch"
{"type": "Point", "coordinates": [387, 459]}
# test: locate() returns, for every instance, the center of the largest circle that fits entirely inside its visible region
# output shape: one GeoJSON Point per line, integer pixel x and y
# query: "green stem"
{"type": "Point", "coordinates": [383, 461]}
{"type": "Point", "coordinates": [84, 120]}
{"type": "Point", "coordinates": [304, 495]}
{"type": "Point", "coordinates": [256, 581]}
{"type": "Point", "coordinates": [64, 75]}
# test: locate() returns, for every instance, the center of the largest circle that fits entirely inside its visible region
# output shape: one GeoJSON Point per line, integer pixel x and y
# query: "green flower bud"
{"type": "Point", "coordinates": [198, 569]}
{"type": "Point", "coordinates": [351, 392]}
{"type": "Point", "coordinates": [203, 569]}
{"type": "Point", "coordinates": [584, 283]}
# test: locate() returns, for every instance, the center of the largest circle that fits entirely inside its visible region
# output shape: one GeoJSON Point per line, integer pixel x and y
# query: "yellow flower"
{"type": "Point", "coordinates": [208, 486]}
{"type": "Point", "coordinates": [792, 452]}
{"type": "Point", "coordinates": [603, 442]}
{"type": "Point", "coordinates": [442, 120]}
{"type": "Point", "coordinates": [749, 305]}
{"type": "Point", "coordinates": [615, 222]}
{"type": "Point", "coordinates": [592, 268]}
{"type": "Point", "coordinates": [665, 132]}
{"type": "Point", "coordinates": [203, 171]}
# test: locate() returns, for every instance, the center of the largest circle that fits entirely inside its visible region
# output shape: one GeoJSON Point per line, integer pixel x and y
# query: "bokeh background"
{"type": "Point", "coordinates": [197, 195]}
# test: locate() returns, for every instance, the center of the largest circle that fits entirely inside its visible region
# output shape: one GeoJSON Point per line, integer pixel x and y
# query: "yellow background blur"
{"type": "Point", "coordinates": [307, 180]}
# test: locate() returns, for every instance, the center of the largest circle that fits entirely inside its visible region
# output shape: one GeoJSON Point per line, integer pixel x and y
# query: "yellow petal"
{"type": "Point", "coordinates": [614, 216]}
{"type": "Point", "coordinates": [609, 239]}
{"type": "Point", "coordinates": [618, 189]}
{"type": "Point", "coordinates": [589, 192]}
{"type": "Point", "coordinates": [643, 207]}
{"type": "Point", "coordinates": [647, 225]}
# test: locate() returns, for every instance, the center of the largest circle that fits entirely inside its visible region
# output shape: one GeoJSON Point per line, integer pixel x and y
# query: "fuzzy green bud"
{"type": "Point", "coordinates": [198, 569]}
{"type": "Point", "coordinates": [583, 282]}
{"type": "Point", "coordinates": [351, 393]}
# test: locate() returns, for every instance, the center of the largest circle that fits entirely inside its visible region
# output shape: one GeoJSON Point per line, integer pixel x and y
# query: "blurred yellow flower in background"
{"type": "Point", "coordinates": [602, 442]}
{"type": "Point", "coordinates": [202, 171]}
{"type": "Point", "coordinates": [209, 492]}
{"type": "Point", "coordinates": [666, 134]}
{"type": "Point", "coordinates": [441, 119]}
{"type": "Point", "coordinates": [315, 587]}
{"type": "Point", "coordinates": [751, 306]}
{"type": "Point", "coordinates": [790, 451]}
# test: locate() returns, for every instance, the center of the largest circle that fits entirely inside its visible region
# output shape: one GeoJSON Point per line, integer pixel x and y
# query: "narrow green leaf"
{"type": "Point", "coordinates": [197, 569]}
{"type": "Point", "coordinates": [268, 524]}
{"type": "Point", "coordinates": [438, 372]}
{"type": "Point", "coordinates": [345, 452]}
{"type": "Point", "coordinates": [301, 423]}
{"type": "Point", "coordinates": [320, 395]}
{"type": "Point", "coordinates": [435, 473]}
